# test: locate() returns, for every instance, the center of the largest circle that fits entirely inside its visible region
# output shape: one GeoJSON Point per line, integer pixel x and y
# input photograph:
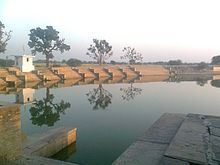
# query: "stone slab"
{"type": "Point", "coordinates": [188, 143]}
{"type": "Point", "coordinates": [164, 129]}
{"type": "Point", "coordinates": [142, 153]}
{"type": "Point", "coordinates": [171, 161]}
{"type": "Point", "coordinates": [37, 160]}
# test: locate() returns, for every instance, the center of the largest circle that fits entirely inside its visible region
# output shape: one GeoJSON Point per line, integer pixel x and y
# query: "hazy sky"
{"type": "Point", "coordinates": [160, 29]}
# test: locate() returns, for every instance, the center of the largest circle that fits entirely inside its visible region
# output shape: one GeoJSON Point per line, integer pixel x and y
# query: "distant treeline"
{"type": "Point", "coordinates": [6, 63]}
{"type": "Point", "coordinates": [77, 61]}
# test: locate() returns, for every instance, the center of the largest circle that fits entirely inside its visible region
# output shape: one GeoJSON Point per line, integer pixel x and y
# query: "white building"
{"type": "Point", "coordinates": [24, 63]}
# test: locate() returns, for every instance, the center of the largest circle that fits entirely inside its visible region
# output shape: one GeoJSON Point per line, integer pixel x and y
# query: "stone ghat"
{"type": "Point", "coordinates": [177, 139]}
{"type": "Point", "coordinates": [16, 88]}
{"type": "Point", "coordinates": [14, 76]}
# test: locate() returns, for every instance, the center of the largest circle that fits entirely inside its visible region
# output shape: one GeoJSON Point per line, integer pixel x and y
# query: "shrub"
{"type": "Point", "coordinates": [74, 62]}
{"type": "Point", "coordinates": [202, 65]}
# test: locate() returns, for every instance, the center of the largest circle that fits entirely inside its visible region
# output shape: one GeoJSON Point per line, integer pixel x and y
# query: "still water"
{"type": "Point", "coordinates": [109, 117]}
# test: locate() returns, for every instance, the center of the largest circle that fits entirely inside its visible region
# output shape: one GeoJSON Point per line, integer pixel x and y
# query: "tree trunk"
{"type": "Point", "coordinates": [47, 61]}
{"type": "Point", "coordinates": [100, 60]}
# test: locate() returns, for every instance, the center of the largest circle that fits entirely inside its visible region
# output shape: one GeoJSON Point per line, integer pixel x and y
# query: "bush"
{"type": "Point", "coordinates": [4, 63]}
{"type": "Point", "coordinates": [74, 62]}
{"type": "Point", "coordinates": [112, 62]}
{"type": "Point", "coordinates": [202, 65]}
{"type": "Point", "coordinates": [175, 62]}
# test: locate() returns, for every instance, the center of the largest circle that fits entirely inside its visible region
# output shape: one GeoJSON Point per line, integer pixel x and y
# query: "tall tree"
{"type": "Point", "coordinates": [46, 41]}
{"type": "Point", "coordinates": [4, 38]}
{"type": "Point", "coordinates": [100, 50]}
{"type": "Point", "coordinates": [132, 55]}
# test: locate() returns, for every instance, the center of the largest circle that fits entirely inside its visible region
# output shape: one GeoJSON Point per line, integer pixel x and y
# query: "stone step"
{"type": "Point", "coordinates": [114, 71]}
{"type": "Point", "coordinates": [85, 72]}
{"type": "Point", "coordinates": [49, 143]}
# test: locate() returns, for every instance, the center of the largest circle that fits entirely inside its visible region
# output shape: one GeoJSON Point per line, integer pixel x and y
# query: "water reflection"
{"type": "Point", "coordinates": [201, 82]}
{"type": "Point", "coordinates": [99, 98]}
{"type": "Point", "coordinates": [45, 112]}
{"type": "Point", "coordinates": [215, 83]}
{"type": "Point", "coordinates": [130, 93]}
{"type": "Point", "coordinates": [65, 153]}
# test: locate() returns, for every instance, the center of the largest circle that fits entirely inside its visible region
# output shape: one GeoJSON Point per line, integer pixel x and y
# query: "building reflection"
{"type": "Point", "coordinates": [99, 98]}
{"type": "Point", "coordinates": [25, 95]}
{"type": "Point", "coordinates": [65, 153]}
{"type": "Point", "coordinates": [130, 93]}
{"type": "Point", "coordinates": [46, 112]}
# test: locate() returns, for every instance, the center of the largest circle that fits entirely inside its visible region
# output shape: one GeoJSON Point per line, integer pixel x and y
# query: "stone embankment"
{"type": "Point", "coordinates": [14, 76]}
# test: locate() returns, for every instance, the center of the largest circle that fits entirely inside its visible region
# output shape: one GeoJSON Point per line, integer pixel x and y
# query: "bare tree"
{"type": "Point", "coordinates": [132, 55]}
{"type": "Point", "coordinates": [100, 50]}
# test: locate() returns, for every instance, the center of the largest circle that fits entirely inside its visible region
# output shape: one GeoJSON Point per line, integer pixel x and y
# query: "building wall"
{"type": "Point", "coordinates": [27, 64]}
{"type": "Point", "coordinates": [24, 63]}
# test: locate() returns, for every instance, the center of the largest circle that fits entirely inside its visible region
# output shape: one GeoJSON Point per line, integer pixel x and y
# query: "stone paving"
{"type": "Point", "coordinates": [177, 139]}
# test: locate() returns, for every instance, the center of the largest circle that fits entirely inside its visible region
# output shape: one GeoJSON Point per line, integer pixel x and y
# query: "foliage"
{"type": "Point", "coordinates": [202, 65]}
{"type": "Point", "coordinates": [132, 55]}
{"type": "Point", "coordinates": [46, 41]}
{"type": "Point", "coordinates": [216, 60]}
{"type": "Point", "coordinates": [100, 97]}
{"type": "Point", "coordinates": [130, 93]}
{"type": "Point", "coordinates": [6, 63]}
{"type": "Point", "coordinates": [174, 62]}
{"type": "Point", "coordinates": [45, 112]}
{"type": "Point", "coordinates": [4, 38]}
{"type": "Point", "coordinates": [74, 62]}
{"type": "Point", "coordinates": [100, 51]}
{"type": "Point", "coordinates": [112, 62]}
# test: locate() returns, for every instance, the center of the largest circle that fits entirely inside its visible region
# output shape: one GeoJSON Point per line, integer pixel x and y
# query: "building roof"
{"type": "Point", "coordinates": [24, 55]}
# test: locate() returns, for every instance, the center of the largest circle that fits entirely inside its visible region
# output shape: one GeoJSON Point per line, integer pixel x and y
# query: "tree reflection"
{"type": "Point", "coordinates": [99, 97]}
{"type": "Point", "coordinates": [45, 112]}
{"type": "Point", "coordinates": [215, 83]}
{"type": "Point", "coordinates": [130, 93]}
{"type": "Point", "coordinates": [201, 82]}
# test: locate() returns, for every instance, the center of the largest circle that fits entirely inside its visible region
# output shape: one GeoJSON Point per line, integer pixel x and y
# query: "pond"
{"type": "Point", "coordinates": [109, 117]}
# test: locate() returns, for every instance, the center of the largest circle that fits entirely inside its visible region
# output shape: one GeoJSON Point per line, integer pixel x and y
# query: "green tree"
{"type": "Point", "coordinates": [216, 60]}
{"type": "Point", "coordinates": [45, 112]}
{"type": "Point", "coordinates": [100, 97]}
{"type": "Point", "coordinates": [4, 38]}
{"type": "Point", "coordinates": [132, 55]}
{"type": "Point", "coordinates": [74, 62]}
{"type": "Point", "coordinates": [46, 41]}
{"type": "Point", "coordinates": [202, 65]}
{"type": "Point", "coordinates": [100, 50]}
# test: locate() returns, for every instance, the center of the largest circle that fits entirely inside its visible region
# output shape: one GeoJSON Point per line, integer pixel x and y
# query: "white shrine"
{"type": "Point", "coordinates": [24, 63]}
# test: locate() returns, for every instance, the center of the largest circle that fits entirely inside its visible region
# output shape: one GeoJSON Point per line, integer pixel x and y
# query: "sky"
{"type": "Point", "coordinates": [161, 30]}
